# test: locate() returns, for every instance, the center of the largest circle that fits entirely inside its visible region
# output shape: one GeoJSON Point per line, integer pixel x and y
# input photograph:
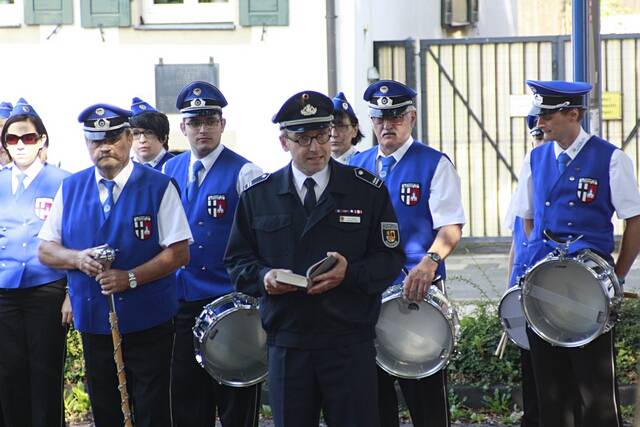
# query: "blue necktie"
{"type": "Point", "coordinates": [310, 198]}
{"type": "Point", "coordinates": [20, 188]}
{"type": "Point", "coordinates": [107, 206]}
{"type": "Point", "coordinates": [192, 189]}
{"type": "Point", "coordinates": [563, 160]}
{"type": "Point", "coordinates": [386, 164]}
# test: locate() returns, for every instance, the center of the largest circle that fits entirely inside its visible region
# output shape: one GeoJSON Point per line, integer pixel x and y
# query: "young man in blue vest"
{"type": "Point", "coordinates": [320, 339]}
{"type": "Point", "coordinates": [150, 130]}
{"type": "Point", "coordinates": [136, 211]}
{"type": "Point", "coordinates": [572, 187]}
{"type": "Point", "coordinates": [425, 192]}
{"type": "Point", "coordinates": [211, 178]}
{"type": "Point", "coordinates": [34, 308]}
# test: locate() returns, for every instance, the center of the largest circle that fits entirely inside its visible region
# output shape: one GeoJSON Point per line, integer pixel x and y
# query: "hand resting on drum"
{"type": "Point", "coordinates": [419, 279]}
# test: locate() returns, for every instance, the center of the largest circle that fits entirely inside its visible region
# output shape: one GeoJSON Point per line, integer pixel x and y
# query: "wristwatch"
{"type": "Point", "coordinates": [434, 257]}
{"type": "Point", "coordinates": [132, 280]}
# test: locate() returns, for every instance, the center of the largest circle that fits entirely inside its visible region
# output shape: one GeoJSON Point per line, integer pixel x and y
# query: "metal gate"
{"type": "Point", "coordinates": [473, 99]}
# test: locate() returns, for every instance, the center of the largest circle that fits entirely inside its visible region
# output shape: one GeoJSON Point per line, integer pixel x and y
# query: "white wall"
{"type": "Point", "coordinates": [74, 68]}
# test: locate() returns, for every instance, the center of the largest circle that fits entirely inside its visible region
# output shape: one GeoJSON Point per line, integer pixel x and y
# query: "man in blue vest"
{"type": "Point", "coordinates": [425, 192]}
{"type": "Point", "coordinates": [34, 308]}
{"type": "Point", "coordinates": [211, 178]}
{"type": "Point", "coordinates": [320, 338]}
{"type": "Point", "coordinates": [150, 130]}
{"type": "Point", "coordinates": [137, 211]}
{"type": "Point", "coordinates": [572, 187]}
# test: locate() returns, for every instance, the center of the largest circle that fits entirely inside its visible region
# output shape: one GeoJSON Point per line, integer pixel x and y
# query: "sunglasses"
{"type": "Point", "coordinates": [27, 138]}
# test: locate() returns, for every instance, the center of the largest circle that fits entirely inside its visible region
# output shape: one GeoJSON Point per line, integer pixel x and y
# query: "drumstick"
{"type": "Point", "coordinates": [503, 337]}
{"type": "Point", "coordinates": [504, 347]}
{"type": "Point", "coordinates": [632, 295]}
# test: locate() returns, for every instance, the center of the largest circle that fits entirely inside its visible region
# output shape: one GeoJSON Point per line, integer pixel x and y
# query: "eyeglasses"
{"type": "Point", "coordinates": [306, 140]}
{"type": "Point", "coordinates": [339, 127]}
{"type": "Point", "coordinates": [395, 120]}
{"type": "Point", "coordinates": [198, 123]}
{"type": "Point", "coordinates": [147, 133]}
{"type": "Point", "coordinates": [27, 138]}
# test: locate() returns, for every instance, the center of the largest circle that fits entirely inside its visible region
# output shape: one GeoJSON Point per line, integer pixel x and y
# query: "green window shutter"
{"type": "Point", "coordinates": [106, 13]}
{"type": "Point", "coordinates": [264, 12]}
{"type": "Point", "coordinates": [48, 12]}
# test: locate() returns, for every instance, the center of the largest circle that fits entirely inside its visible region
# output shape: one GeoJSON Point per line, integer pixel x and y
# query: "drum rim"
{"type": "Point", "coordinates": [453, 331]}
{"type": "Point", "coordinates": [231, 297]}
{"type": "Point", "coordinates": [512, 290]}
{"type": "Point", "coordinates": [598, 259]}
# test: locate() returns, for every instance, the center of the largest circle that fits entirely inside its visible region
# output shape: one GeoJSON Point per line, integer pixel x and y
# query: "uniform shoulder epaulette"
{"type": "Point", "coordinates": [257, 180]}
{"type": "Point", "coordinates": [368, 177]}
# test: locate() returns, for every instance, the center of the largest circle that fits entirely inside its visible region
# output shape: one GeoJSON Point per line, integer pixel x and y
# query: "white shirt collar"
{"type": "Point", "coordinates": [120, 179]}
{"type": "Point", "coordinates": [344, 157]}
{"type": "Point", "coordinates": [153, 162]}
{"type": "Point", "coordinates": [400, 152]}
{"type": "Point", "coordinates": [575, 147]}
{"type": "Point", "coordinates": [31, 172]}
{"type": "Point", "coordinates": [207, 161]}
{"type": "Point", "coordinates": [321, 178]}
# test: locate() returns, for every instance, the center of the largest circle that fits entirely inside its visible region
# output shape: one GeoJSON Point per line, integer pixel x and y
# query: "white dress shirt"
{"type": "Point", "coordinates": [30, 174]}
{"type": "Point", "coordinates": [321, 178]}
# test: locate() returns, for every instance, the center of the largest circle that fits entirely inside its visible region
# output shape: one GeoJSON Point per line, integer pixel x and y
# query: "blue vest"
{"type": "Point", "coordinates": [20, 223]}
{"type": "Point", "coordinates": [574, 203]}
{"type": "Point", "coordinates": [520, 253]}
{"type": "Point", "coordinates": [83, 226]}
{"type": "Point", "coordinates": [163, 160]}
{"type": "Point", "coordinates": [409, 184]}
{"type": "Point", "coordinates": [210, 216]}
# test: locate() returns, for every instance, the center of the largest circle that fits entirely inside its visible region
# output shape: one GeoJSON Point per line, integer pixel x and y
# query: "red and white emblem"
{"type": "Point", "coordinates": [410, 193]}
{"type": "Point", "coordinates": [142, 226]}
{"type": "Point", "coordinates": [217, 205]}
{"type": "Point", "coordinates": [42, 207]}
{"type": "Point", "coordinates": [587, 189]}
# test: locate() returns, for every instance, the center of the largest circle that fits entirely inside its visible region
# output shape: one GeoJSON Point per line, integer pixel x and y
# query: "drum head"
{"type": "Point", "coordinates": [235, 349]}
{"type": "Point", "coordinates": [512, 318]}
{"type": "Point", "coordinates": [413, 340]}
{"type": "Point", "coordinates": [564, 303]}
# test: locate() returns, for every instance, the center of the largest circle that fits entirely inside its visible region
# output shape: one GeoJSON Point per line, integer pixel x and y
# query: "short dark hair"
{"type": "Point", "coordinates": [36, 121]}
{"type": "Point", "coordinates": [156, 122]}
{"type": "Point", "coordinates": [340, 115]}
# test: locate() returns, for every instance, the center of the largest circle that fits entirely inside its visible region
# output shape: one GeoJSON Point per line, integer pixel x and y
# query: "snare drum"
{"type": "Point", "coordinates": [512, 317]}
{"type": "Point", "coordinates": [229, 341]}
{"type": "Point", "coordinates": [415, 340]}
{"type": "Point", "coordinates": [570, 301]}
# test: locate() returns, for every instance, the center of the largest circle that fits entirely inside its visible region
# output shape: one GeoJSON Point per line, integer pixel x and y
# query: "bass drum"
{"type": "Point", "coordinates": [415, 340]}
{"type": "Point", "coordinates": [570, 301]}
{"type": "Point", "coordinates": [229, 341]}
{"type": "Point", "coordinates": [512, 317]}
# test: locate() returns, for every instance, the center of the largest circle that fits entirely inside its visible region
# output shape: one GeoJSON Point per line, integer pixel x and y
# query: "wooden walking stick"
{"type": "Point", "coordinates": [105, 255]}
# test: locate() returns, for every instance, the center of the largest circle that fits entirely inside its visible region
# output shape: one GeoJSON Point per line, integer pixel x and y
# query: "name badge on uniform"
{"type": "Point", "coordinates": [350, 219]}
{"type": "Point", "coordinates": [390, 234]}
{"type": "Point", "coordinates": [349, 216]}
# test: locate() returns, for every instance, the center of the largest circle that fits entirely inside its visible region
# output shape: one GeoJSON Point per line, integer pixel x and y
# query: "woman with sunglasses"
{"type": "Point", "coordinates": [34, 307]}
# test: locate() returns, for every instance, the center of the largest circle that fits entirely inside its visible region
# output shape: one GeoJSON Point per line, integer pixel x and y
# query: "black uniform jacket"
{"type": "Point", "coordinates": [354, 216]}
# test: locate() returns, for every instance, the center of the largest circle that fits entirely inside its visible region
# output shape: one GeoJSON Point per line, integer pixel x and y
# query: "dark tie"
{"type": "Point", "coordinates": [107, 206]}
{"type": "Point", "coordinates": [20, 187]}
{"type": "Point", "coordinates": [563, 159]}
{"type": "Point", "coordinates": [386, 165]}
{"type": "Point", "coordinates": [192, 189]}
{"type": "Point", "coordinates": [310, 197]}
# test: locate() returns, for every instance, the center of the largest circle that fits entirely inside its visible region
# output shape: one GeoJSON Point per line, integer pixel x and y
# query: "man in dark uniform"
{"type": "Point", "coordinates": [320, 339]}
{"type": "Point", "coordinates": [150, 130]}
{"type": "Point", "coordinates": [572, 187]}
{"type": "Point", "coordinates": [137, 211]}
{"type": "Point", "coordinates": [425, 192]}
{"type": "Point", "coordinates": [211, 178]}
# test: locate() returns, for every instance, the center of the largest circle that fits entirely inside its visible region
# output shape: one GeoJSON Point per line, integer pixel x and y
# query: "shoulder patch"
{"type": "Point", "coordinates": [257, 180]}
{"type": "Point", "coordinates": [368, 177]}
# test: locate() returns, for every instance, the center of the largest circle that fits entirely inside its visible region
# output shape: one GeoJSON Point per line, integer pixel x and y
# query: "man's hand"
{"type": "Point", "coordinates": [113, 281]}
{"type": "Point", "coordinates": [67, 313]}
{"type": "Point", "coordinates": [419, 279]}
{"type": "Point", "coordinates": [276, 288]}
{"type": "Point", "coordinates": [332, 278]}
{"type": "Point", "coordinates": [85, 262]}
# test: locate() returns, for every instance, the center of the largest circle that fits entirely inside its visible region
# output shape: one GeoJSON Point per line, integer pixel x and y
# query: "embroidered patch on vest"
{"type": "Point", "coordinates": [216, 205]}
{"type": "Point", "coordinates": [587, 189]}
{"type": "Point", "coordinates": [142, 226]}
{"type": "Point", "coordinates": [367, 176]}
{"type": "Point", "coordinates": [390, 234]}
{"type": "Point", "coordinates": [410, 193]}
{"type": "Point", "coordinates": [42, 207]}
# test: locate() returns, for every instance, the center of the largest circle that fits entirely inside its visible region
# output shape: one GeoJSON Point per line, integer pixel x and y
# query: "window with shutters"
{"type": "Point", "coordinates": [48, 12]}
{"type": "Point", "coordinates": [105, 13]}
{"type": "Point", "coordinates": [187, 11]}
{"type": "Point", "coordinates": [264, 12]}
{"type": "Point", "coordinates": [10, 13]}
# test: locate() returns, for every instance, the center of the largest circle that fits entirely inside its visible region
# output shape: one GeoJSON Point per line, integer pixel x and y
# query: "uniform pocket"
{"type": "Point", "coordinates": [274, 235]}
